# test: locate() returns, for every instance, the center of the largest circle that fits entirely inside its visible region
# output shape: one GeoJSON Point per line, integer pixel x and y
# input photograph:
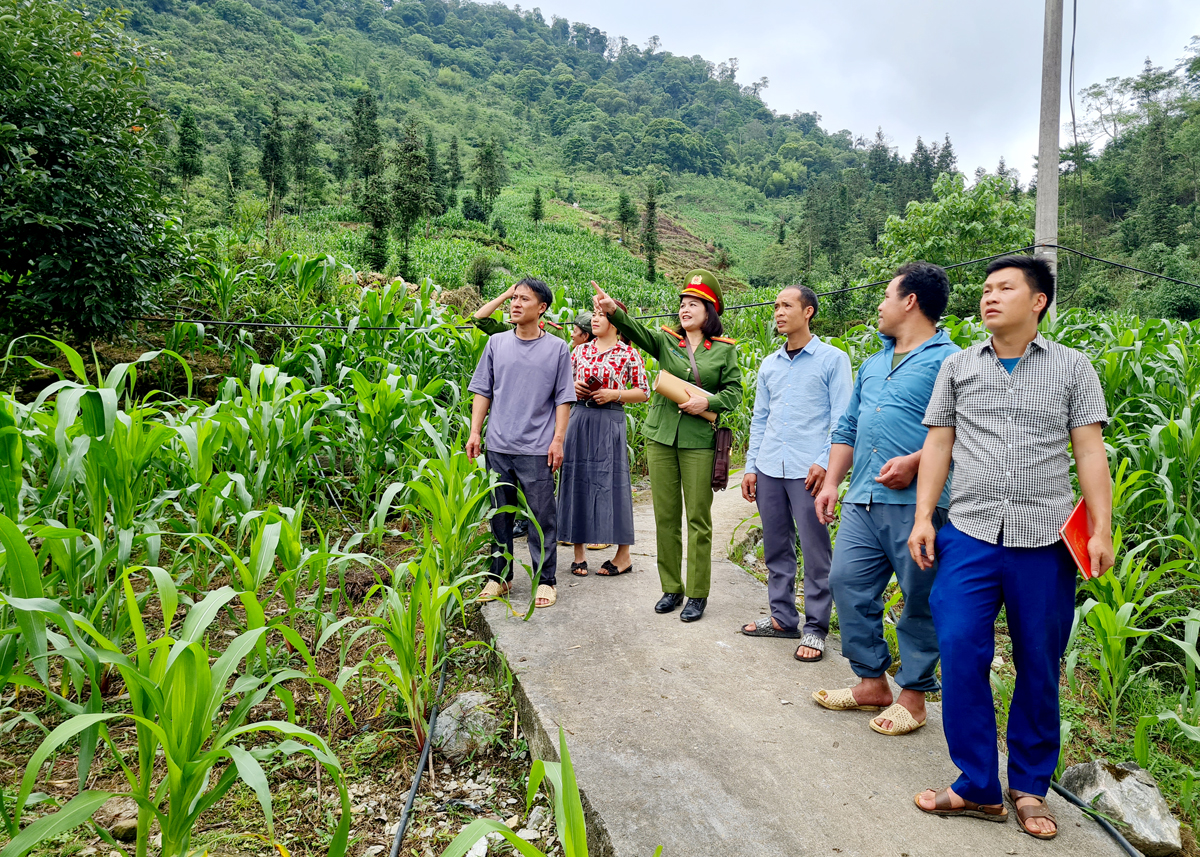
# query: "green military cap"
{"type": "Point", "coordinates": [703, 284]}
{"type": "Point", "coordinates": [584, 322]}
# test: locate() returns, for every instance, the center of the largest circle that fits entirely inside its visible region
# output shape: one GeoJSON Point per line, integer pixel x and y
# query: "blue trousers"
{"type": "Point", "coordinates": [872, 545]}
{"type": "Point", "coordinates": [1036, 587]}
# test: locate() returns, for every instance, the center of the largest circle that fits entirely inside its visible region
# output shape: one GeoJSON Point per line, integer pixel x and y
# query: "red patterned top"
{"type": "Point", "coordinates": [618, 368]}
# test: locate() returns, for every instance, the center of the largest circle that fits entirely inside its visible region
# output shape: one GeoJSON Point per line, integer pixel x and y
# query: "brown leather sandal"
{"type": "Point", "coordinates": [1038, 810]}
{"type": "Point", "coordinates": [942, 807]}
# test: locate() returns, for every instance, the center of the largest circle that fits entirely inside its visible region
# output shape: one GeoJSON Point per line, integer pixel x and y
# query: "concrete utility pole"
{"type": "Point", "coordinates": [1045, 229]}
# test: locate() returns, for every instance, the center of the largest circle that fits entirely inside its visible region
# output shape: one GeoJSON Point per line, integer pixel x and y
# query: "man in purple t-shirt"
{"type": "Point", "coordinates": [524, 387]}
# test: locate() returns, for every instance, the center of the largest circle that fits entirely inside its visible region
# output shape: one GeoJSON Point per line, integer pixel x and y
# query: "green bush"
{"type": "Point", "coordinates": [473, 209]}
{"type": "Point", "coordinates": [1175, 300]}
{"type": "Point", "coordinates": [83, 231]}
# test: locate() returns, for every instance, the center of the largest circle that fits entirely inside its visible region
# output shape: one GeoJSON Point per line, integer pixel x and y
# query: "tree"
{"type": "Point", "coordinates": [537, 211]}
{"type": "Point", "coordinates": [491, 172]}
{"type": "Point", "coordinates": [302, 144]}
{"type": "Point", "coordinates": [627, 215]}
{"type": "Point", "coordinates": [650, 240]}
{"type": "Point", "coordinates": [528, 86]}
{"type": "Point", "coordinates": [947, 160]}
{"type": "Point", "coordinates": [366, 142]}
{"type": "Point", "coordinates": [189, 151]}
{"type": "Point", "coordinates": [235, 170]}
{"type": "Point", "coordinates": [374, 204]}
{"type": "Point", "coordinates": [454, 170]}
{"type": "Point", "coordinates": [958, 225]}
{"type": "Point", "coordinates": [273, 167]}
{"type": "Point", "coordinates": [235, 165]}
{"type": "Point", "coordinates": [412, 192]}
{"type": "Point", "coordinates": [84, 231]}
{"type": "Point", "coordinates": [437, 175]}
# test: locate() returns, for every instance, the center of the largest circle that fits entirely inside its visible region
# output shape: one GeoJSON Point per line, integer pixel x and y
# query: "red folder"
{"type": "Point", "coordinates": [1075, 534]}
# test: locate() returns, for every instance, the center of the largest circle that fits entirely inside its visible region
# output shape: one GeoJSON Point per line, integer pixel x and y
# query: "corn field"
{"type": "Point", "coordinates": [175, 566]}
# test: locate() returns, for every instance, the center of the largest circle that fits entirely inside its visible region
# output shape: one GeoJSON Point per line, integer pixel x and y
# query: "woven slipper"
{"type": "Point", "coordinates": [810, 641]}
{"type": "Point", "coordinates": [598, 547]}
{"type": "Point", "coordinates": [942, 807]}
{"type": "Point", "coordinates": [764, 628]}
{"type": "Point", "coordinates": [840, 700]}
{"type": "Point", "coordinates": [547, 592]}
{"type": "Point", "coordinates": [494, 589]}
{"type": "Point", "coordinates": [902, 721]}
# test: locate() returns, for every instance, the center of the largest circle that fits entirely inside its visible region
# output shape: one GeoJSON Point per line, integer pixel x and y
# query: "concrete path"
{"type": "Point", "coordinates": [707, 742]}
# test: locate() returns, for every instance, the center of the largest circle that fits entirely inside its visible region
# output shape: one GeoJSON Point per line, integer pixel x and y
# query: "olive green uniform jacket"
{"type": "Point", "coordinates": [491, 326]}
{"type": "Point", "coordinates": [717, 361]}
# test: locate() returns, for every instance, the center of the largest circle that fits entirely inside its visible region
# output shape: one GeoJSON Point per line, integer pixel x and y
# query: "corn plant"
{"type": "Point", "coordinates": [569, 820]}
{"type": "Point", "coordinates": [390, 412]}
{"type": "Point", "coordinates": [187, 708]}
{"type": "Point", "coordinates": [1118, 646]}
{"type": "Point", "coordinates": [12, 462]}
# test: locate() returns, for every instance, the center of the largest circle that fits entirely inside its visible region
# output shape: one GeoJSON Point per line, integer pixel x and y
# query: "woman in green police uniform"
{"type": "Point", "coordinates": [679, 442]}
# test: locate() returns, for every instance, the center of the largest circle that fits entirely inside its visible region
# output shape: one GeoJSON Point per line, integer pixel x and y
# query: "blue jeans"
{"type": "Point", "coordinates": [872, 544]}
{"type": "Point", "coordinates": [1036, 587]}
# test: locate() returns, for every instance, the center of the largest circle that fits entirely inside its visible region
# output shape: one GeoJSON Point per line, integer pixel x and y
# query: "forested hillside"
{"type": "Point", "coordinates": [562, 99]}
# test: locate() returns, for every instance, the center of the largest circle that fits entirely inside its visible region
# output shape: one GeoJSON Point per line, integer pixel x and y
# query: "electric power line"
{"type": "Point", "coordinates": [348, 329]}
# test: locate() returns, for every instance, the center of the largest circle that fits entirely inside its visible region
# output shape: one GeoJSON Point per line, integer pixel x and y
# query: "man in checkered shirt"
{"type": "Point", "coordinates": [1005, 411]}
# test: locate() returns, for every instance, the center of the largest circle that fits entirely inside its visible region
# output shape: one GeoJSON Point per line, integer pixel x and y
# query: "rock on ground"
{"type": "Point", "coordinates": [1130, 796]}
{"type": "Point", "coordinates": [119, 817]}
{"type": "Point", "coordinates": [466, 725]}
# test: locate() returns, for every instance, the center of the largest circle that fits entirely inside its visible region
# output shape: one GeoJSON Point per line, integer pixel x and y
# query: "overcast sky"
{"type": "Point", "coordinates": [965, 68]}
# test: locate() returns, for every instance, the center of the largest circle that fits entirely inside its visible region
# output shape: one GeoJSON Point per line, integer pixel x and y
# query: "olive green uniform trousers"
{"type": "Point", "coordinates": [679, 479]}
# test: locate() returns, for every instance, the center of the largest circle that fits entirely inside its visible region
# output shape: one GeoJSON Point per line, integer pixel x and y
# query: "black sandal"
{"type": "Point", "coordinates": [579, 569]}
{"type": "Point", "coordinates": [608, 569]}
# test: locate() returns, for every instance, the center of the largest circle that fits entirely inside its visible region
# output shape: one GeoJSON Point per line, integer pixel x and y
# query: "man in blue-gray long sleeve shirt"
{"type": "Point", "coordinates": [802, 390]}
{"type": "Point", "coordinates": [881, 433]}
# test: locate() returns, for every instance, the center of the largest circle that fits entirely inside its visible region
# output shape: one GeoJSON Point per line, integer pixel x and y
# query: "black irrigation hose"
{"type": "Point", "coordinates": [1101, 820]}
{"type": "Point", "coordinates": [876, 284]}
{"type": "Point", "coordinates": [402, 825]}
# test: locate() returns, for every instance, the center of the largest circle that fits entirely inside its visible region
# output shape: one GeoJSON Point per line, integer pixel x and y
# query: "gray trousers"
{"type": "Point", "coordinates": [534, 478]}
{"type": "Point", "coordinates": [872, 545]}
{"type": "Point", "coordinates": [784, 505]}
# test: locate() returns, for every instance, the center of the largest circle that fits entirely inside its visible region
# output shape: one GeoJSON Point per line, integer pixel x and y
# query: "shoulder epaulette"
{"type": "Point", "coordinates": [724, 339]}
{"type": "Point", "coordinates": [672, 332]}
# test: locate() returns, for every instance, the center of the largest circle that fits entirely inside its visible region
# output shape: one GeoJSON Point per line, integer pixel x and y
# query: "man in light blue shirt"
{"type": "Point", "coordinates": [882, 432]}
{"type": "Point", "coordinates": [802, 390]}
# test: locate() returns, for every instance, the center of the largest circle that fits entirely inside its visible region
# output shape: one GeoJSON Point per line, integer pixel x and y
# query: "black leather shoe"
{"type": "Point", "coordinates": [694, 609]}
{"type": "Point", "coordinates": [668, 602]}
{"type": "Point", "coordinates": [521, 529]}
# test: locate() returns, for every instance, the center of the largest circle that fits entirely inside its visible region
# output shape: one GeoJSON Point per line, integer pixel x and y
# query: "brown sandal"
{"type": "Point", "coordinates": [1024, 813]}
{"type": "Point", "coordinates": [943, 807]}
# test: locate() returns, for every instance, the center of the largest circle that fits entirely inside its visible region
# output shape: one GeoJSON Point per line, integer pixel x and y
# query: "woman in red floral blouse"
{"type": "Point", "coordinates": [595, 499]}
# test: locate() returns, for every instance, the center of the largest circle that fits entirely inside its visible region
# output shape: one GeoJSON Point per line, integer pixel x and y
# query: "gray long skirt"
{"type": "Point", "coordinates": [595, 500]}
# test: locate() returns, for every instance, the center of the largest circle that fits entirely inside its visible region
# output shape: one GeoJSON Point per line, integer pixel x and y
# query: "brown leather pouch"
{"type": "Point", "coordinates": [720, 474]}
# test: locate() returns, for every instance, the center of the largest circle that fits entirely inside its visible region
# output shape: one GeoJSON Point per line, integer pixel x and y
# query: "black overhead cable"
{"type": "Point", "coordinates": [876, 284]}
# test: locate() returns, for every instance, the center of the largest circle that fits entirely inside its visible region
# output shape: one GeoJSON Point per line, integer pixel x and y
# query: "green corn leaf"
{"type": "Point", "coordinates": [76, 811]}
{"type": "Point", "coordinates": [253, 775]}
{"type": "Point", "coordinates": [22, 577]}
{"type": "Point", "coordinates": [481, 827]}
